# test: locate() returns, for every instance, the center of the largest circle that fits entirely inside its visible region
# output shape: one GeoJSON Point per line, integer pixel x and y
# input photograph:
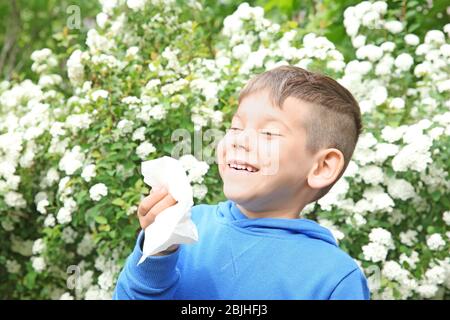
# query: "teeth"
{"type": "Point", "coordinates": [242, 167]}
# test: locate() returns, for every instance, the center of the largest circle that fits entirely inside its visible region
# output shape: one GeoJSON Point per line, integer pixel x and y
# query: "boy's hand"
{"type": "Point", "coordinates": [157, 201]}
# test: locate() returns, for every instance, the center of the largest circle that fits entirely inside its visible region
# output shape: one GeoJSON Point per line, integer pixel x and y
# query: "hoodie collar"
{"type": "Point", "coordinates": [229, 211]}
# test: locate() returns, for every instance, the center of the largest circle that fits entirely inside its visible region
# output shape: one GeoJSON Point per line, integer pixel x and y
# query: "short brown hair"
{"type": "Point", "coordinates": [336, 120]}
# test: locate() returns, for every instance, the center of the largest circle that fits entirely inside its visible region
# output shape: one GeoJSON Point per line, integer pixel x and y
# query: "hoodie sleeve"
{"type": "Point", "coordinates": [352, 287]}
{"type": "Point", "coordinates": [154, 279]}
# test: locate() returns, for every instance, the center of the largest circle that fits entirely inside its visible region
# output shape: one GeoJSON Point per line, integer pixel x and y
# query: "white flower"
{"type": "Point", "coordinates": [435, 275]}
{"type": "Point", "coordinates": [443, 86]}
{"type": "Point", "coordinates": [435, 242]}
{"type": "Point", "coordinates": [68, 235]}
{"type": "Point", "coordinates": [98, 191]}
{"type": "Point", "coordinates": [139, 134]}
{"type": "Point", "coordinates": [151, 84]}
{"type": "Point", "coordinates": [76, 122]}
{"type": "Point", "coordinates": [131, 100]}
{"type": "Point", "coordinates": [95, 293]}
{"type": "Point", "coordinates": [88, 172]}
{"type": "Point", "coordinates": [421, 69]}
{"type": "Point", "coordinates": [136, 5]}
{"type": "Point", "coordinates": [371, 174]}
{"type": "Point", "coordinates": [412, 39]}
{"type": "Point", "coordinates": [43, 60]}
{"type": "Point", "coordinates": [15, 199]}
{"type": "Point", "coordinates": [385, 150]}
{"type": "Point", "coordinates": [241, 51]}
{"type": "Point", "coordinates": [125, 126]}
{"type": "Point", "coordinates": [378, 199]}
{"type": "Point", "coordinates": [379, 95]}
{"type": "Point", "coordinates": [57, 129]}
{"type": "Point", "coordinates": [49, 80]}
{"type": "Point", "coordinates": [388, 46]}
{"type": "Point", "coordinates": [446, 217]}
{"type": "Point", "coordinates": [400, 189]}
{"type": "Point", "coordinates": [199, 191]}
{"type": "Point", "coordinates": [75, 67]}
{"type": "Point", "coordinates": [412, 260]}
{"type": "Point", "coordinates": [208, 89]}
{"type": "Point", "coordinates": [393, 26]}
{"type": "Point", "coordinates": [196, 169]}
{"type": "Point", "coordinates": [427, 290]}
{"type": "Point", "coordinates": [144, 149]}
{"type": "Point", "coordinates": [86, 245]}
{"type": "Point", "coordinates": [66, 296]}
{"type": "Point", "coordinates": [51, 177]}
{"type": "Point", "coordinates": [404, 61]}
{"type": "Point", "coordinates": [397, 103]}
{"type": "Point", "coordinates": [64, 215]}
{"type": "Point", "coordinates": [49, 221]}
{"type": "Point", "coordinates": [381, 236]}
{"type": "Point", "coordinates": [370, 52]}
{"type": "Point", "coordinates": [351, 170]}
{"type": "Point", "coordinates": [131, 210]}
{"type": "Point", "coordinates": [447, 29]}
{"type": "Point", "coordinates": [38, 264]}
{"type": "Point", "coordinates": [38, 246]}
{"type": "Point", "coordinates": [98, 43]}
{"type": "Point", "coordinates": [97, 94]}
{"type": "Point", "coordinates": [41, 55]}
{"type": "Point", "coordinates": [393, 271]}
{"type": "Point", "coordinates": [445, 50]}
{"type": "Point", "coordinates": [434, 36]}
{"type": "Point", "coordinates": [12, 266]}
{"type": "Point", "coordinates": [106, 280]}
{"type": "Point", "coordinates": [72, 160]}
{"type": "Point", "coordinates": [391, 134]}
{"type": "Point", "coordinates": [101, 19]}
{"type": "Point", "coordinates": [132, 52]}
{"type": "Point", "coordinates": [40, 207]}
{"type": "Point", "coordinates": [62, 185]}
{"type": "Point", "coordinates": [409, 237]}
{"type": "Point", "coordinates": [414, 156]}
{"type": "Point", "coordinates": [374, 252]}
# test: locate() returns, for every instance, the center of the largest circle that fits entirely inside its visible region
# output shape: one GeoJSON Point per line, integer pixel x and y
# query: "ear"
{"type": "Point", "coordinates": [327, 167]}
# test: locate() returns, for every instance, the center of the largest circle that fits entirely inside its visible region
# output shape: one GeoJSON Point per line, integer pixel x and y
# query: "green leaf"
{"type": "Point", "coordinates": [119, 202]}
{"type": "Point", "coordinates": [101, 220]}
{"type": "Point", "coordinates": [30, 280]}
{"type": "Point", "coordinates": [436, 195]}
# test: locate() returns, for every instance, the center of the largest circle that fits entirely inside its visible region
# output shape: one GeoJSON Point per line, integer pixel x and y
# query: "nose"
{"type": "Point", "coordinates": [242, 140]}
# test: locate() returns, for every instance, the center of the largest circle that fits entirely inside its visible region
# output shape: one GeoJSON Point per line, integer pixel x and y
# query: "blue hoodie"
{"type": "Point", "coordinates": [241, 258]}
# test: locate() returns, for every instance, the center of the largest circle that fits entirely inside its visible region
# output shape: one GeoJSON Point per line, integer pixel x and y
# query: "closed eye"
{"type": "Point", "coordinates": [270, 134]}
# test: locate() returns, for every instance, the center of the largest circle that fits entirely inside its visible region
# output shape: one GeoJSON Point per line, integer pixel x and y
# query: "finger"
{"type": "Point", "coordinates": [165, 203]}
{"type": "Point", "coordinates": [148, 202]}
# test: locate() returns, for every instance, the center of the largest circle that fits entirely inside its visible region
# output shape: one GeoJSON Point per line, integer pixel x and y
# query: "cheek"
{"type": "Point", "coordinates": [221, 152]}
{"type": "Point", "coordinates": [271, 155]}
{"type": "Point", "coordinates": [296, 161]}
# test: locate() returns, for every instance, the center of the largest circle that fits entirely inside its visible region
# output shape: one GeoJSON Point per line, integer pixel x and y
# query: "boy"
{"type": "Point", "coordinates": [255, 245]}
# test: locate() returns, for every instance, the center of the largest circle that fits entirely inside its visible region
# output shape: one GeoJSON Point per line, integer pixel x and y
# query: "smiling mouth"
{"type": "Point", "coordinates": [241, 166]}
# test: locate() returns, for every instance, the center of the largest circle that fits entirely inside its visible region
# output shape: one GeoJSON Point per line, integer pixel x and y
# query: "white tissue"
{"type": "Point", "coordinates": [173, 225]}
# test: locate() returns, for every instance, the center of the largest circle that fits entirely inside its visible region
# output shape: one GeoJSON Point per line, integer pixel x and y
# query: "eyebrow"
{"type": "Point", "coordinates": [268, 118]}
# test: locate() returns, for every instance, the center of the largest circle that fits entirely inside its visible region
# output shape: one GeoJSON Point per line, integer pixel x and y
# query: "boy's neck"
{"type": "Point", "coordinates": [293, 213]}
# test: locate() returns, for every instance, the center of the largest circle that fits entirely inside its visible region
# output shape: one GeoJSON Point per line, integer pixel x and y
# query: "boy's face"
{"type": "Point", "coordinates": [272, 141]}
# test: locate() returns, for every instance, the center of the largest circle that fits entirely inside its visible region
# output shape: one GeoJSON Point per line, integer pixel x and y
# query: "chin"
{"type": "Point", "coordinates": [238, 195]}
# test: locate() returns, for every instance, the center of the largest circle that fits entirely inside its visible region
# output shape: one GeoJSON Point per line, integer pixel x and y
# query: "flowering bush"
{"type": "Point", "coordinates": [71, 143]}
